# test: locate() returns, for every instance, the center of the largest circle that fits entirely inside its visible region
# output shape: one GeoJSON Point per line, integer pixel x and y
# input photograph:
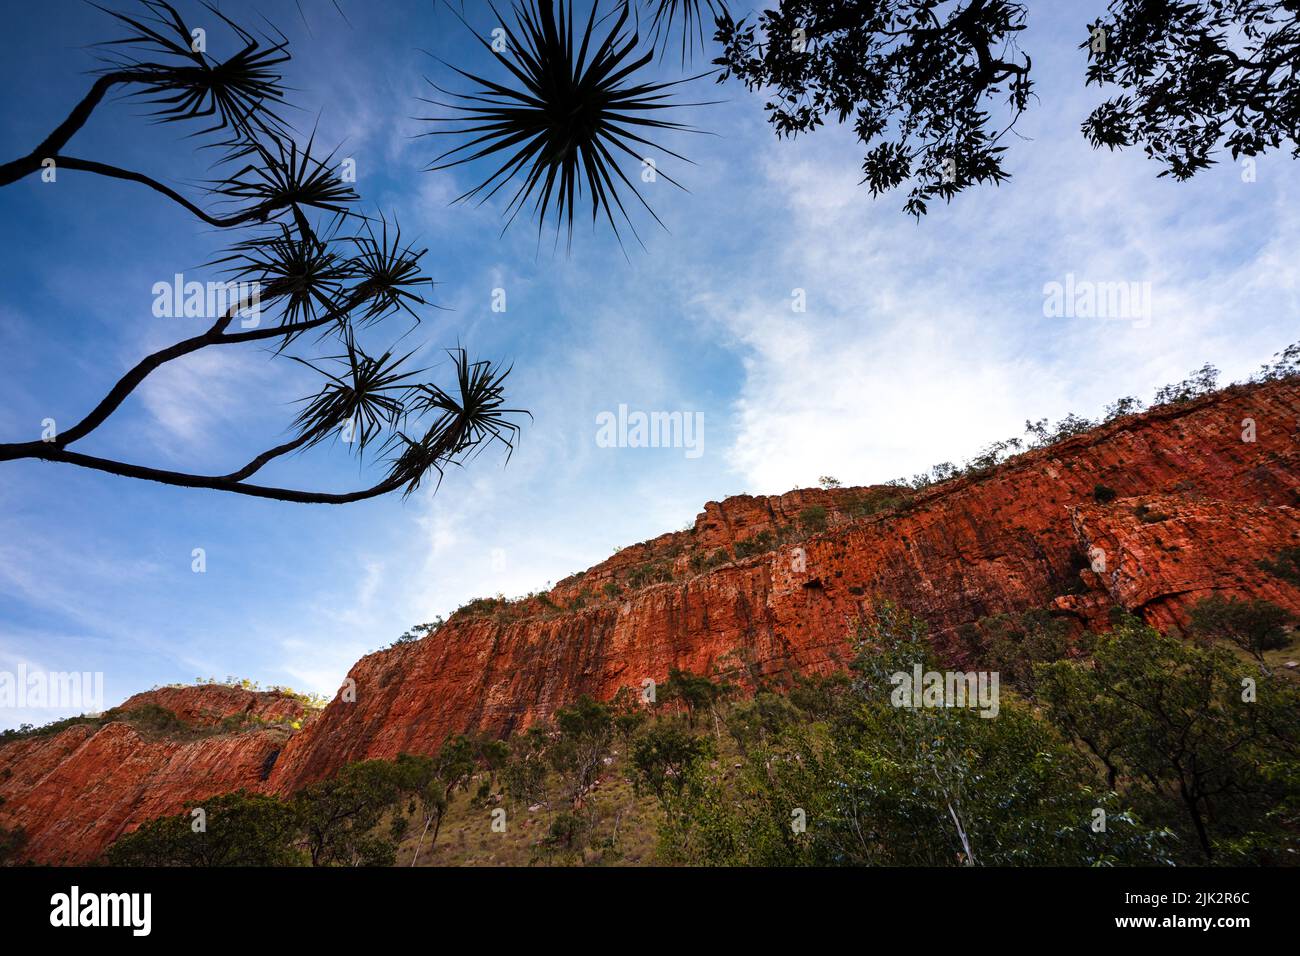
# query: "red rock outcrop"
{"type": "Point", "coordinates": [1150, 512]}
{"type": "Point", "coordinates": [1195, 508]}
{"type": "Point", "coordinates": [207, 705]}
{"type": "Point", "coordinates": [76, 791]}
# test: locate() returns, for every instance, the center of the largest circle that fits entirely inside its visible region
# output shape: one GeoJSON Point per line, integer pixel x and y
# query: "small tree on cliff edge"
{"type": "Point", "coordinates": [304, 265]}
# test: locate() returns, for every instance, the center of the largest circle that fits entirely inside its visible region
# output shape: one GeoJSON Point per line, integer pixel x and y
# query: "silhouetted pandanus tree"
{"type": "Point", "coordinates": [305, 267]}
{"type": "Point", "coordinates": [571, 111]}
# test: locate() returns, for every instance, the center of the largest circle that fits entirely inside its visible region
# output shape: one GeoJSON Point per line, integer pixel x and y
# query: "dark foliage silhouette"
{"type": "Point", "coordinates": [576, 110]}
{"type": "Point", "coordinates": [685, 19]}
{"type": "Point", "coordinates": [1198, 77]}
{"type": "Point", "coordinates": [291, 279]}
{"type": "Point", "coordinates": [932, 88]}
{"type": "Point", "coordinates": [918, 84]}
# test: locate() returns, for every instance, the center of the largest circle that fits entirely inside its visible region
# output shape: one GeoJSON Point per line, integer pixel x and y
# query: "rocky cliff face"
{"type": "Point", "coordinates": [1150, 512]}
{"type": "Point", "coordinates": [1194, 508]}
{"type": "Point", "coordinates": [76, 791]}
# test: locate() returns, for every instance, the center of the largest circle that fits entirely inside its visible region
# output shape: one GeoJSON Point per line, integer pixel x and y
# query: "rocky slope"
{"type": "Point", "coordinates": [1149, 512]}
{"type": "Point", "coordinates": [1194, 509]}
{"type": "Point", "coordinates": [75, 791]}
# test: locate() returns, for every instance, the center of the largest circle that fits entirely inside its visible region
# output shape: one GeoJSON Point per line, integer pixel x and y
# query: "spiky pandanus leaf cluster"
{"type": "Point", "coordinates": [463, 423]}
{"type": "Point", "coordinates": [691, 20]}
{"type": "Point", "coordinates": [573, 111]}
{"type": "Point", "coordinates": [317, 283]}
{"type": "Point", "coordinates": [167, 64]}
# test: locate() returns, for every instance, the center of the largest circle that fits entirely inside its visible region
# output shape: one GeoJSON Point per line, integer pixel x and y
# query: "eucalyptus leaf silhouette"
{"type": "Point", "coordinates": [1198, 77]}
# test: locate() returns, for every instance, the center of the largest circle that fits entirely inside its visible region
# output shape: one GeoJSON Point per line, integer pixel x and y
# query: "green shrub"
{"type": "Point", "coordinates": [23, 731]}
{"type": "Point", "coordinates": [1169, 722]}
{"type": "Point", "coordinates": [1285, 566]}
{"type": "Point", "coordinates": [1201, 382]}
{"type": "Point", "coordinates": [879, 784]}
{"type": "Point", "coordinates": [151, 717]}
{"type": "Point", "coordinates": [1014, 644]}
{"type": "Point", "coordinates": [237, 829]}
{"type": "Point", "coordinates": [340, 818]}
{"type": "Point", "coordinates": [480, 607]}
{"type": "Point", "coordinates": [873, 502]}
{"type": "Point", "coordinates": [1255, 626]}
{"type": "Point", "coordinates": [702, 562]}
{"type": "Point", "coordinates": [419, 632]}
{"type": "Point", "coordinates": [813, 519]}
{"type": "Point", "coordinates": [663, 758]}
{"type": "Point", "coordinates": [652, 572]}
{"type": "Point", "coordinates": [757, 544]}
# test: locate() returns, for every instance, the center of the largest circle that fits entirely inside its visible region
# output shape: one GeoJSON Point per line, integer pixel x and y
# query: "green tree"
{"type": "Point", "coordinates": [526, 770]}
{"type": "Point", "coordinates": [876, 783]}
{"type": "Point", "coordinates": [696, 693]}
{"type": "Point", "coordinates": [663, 758]}
{"type": "Point", "coordinates": [419, 632]}
{"type": "Point", "coordinates": [341, 817]}
{"type": "Point", "coordinates": [818, 696]}
{"type": "Point", "coordinates": [756, 722]}
{"type": "Point", "coordinates": [585, 733]}
{"type": "Point", "coordinates": [1199, 743]}
{"type": "Point", "coordinates": [433, 780]}
{"type": "Point", "coordinates": [1013, 644]}
{"type": "Point", "coordinates": [1254, 625]}
{"type": "Point", "coordinates": [668, 761]}
{"type": "Point", "coordinates": [235, 829]}
{"type": "Point", "coordinates": [629, 715]}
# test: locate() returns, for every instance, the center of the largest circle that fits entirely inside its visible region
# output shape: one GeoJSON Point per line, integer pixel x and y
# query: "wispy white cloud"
{"type": "Point", "coordinates": [923, 342]}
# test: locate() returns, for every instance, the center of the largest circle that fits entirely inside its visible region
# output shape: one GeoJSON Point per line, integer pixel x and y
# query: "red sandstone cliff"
{"type": "Point", "coordinates": [76, 791]}
{"type": "Point", "coordinates": [1195, 509]}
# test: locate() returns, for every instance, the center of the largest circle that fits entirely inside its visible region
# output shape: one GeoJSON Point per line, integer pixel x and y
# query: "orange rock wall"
{"type": "Point", "coordinates": [77, 791]}
{"type": "Point", "coordinates": [1015, 539]}
{"type": "Point", "coordinates": [1196, 508]}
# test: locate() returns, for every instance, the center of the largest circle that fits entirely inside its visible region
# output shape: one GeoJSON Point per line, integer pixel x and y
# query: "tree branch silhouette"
{"type": "Point", "coordinates": [356, 273]}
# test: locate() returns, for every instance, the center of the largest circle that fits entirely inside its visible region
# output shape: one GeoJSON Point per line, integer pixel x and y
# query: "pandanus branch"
{"type": "Point", "coordinates": [325, 284]}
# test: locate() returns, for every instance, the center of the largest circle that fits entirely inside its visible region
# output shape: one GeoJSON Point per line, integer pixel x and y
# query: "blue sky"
{"type": "Point", "coordinates": [921, 342]}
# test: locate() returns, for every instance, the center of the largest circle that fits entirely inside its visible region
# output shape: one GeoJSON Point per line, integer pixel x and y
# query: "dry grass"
{"type": "Point", "coordinates": [625, 832]}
